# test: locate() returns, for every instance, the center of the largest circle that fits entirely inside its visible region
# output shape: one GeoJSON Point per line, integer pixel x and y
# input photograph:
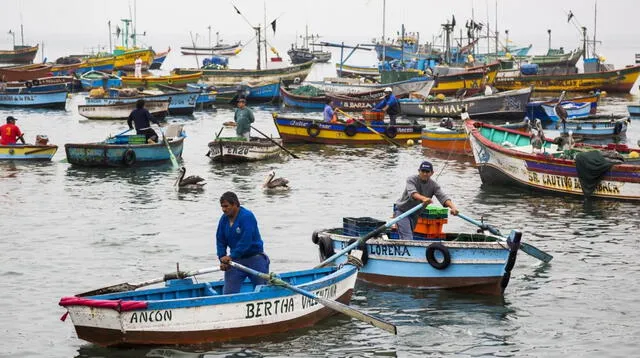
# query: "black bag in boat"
{"type": "Point", "coordinates": [591, 167]}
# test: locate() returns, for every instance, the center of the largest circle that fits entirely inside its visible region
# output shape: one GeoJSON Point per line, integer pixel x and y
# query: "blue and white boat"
{"type": "Point", "coordinates": [126, 150]}
{"type": "Point", "coordinates": [50, 99]}
{"type": "Point", "coordinates": [263, 92]}
{"type": "Point", "coordinates": [634, 110]}
{"type": "Point", "coordinates": [206, 94]}
{"type": "Point", "coordinates": [603, 127]}
{"type": "Point", "coordinates": [181, 103]}
{"type": "Point", "coordinates": [98, 79]}
{"type": "Point", "coordinates": [474, 263]}
{"type": "Point", "coordinates": [184, 312]}
{"type": "Point", "coordinates": [575, 110]}
{"type": "Point", "coordinates": [38, 88]}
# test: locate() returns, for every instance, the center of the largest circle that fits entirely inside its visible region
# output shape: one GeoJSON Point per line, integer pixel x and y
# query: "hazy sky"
{"type": "Point", "coordinates": [75, 25]}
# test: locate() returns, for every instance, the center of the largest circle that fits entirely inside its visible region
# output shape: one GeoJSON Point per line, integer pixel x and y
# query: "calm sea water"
{"type": "Point", "coordinates": [69, 229]}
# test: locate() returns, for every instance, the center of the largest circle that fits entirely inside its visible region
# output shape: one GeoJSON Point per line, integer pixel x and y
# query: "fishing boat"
{"type": "Point", "coordinates": [158, 109]}
{"type": "Point", "coordinates": [305, 53]}
{"type": "Point", "coordinates": [469, 262]}
{"type": "Point", "coordinates": [207, 95]}
{"type": "Point", "coordinates": [222, 77]}
{"type": "Point", "coordinates": [471, 80]}
{"type": "Point", "coordinates": [237, 149]}
{"type": "Point", "coordinates": [29, 87]}
{"type": "Point", "coordinates": [181, 102]}
{"type": "Point", "coordinates": [27, 152]}
{"type": "Point", "coordinates": [103, 64]}
{"type": "Point", "coordinates": [65, 66]}
{"type": "Point", "coordinates": [262, 91]}
{"type": "Point", "coordinates": [306, 130]}
{"type": "Point", "coordinates": [593, 128]}
{"type": "Point", "coordinates": [19, 54]}
{"type": "Point", "coordinates": [125, 58]}
{"type": "Point", "coordinates": [557, 58]}
{"type": "Point", "coordinates": [453, 139]}
{"type": "Point", "coordinates": [613, 81]}
{"type": "Point", "coordinates": [178, 81]}
{"type": "Point", "coordinates": [98, 79]}
{"type": "Point", "coordinates": [219, 49]}
{"type": "Point", "coordinates": [575, 110]}
{"type": "Point", "coordinates": [126, 150]}
{"type": "Point", "coordinates": [501, 105]}
{"type": "Point", "coordinates": [351, 71]}
{"type": "Point", "coordinates": [315, 101]}
{"type": "Point", "coordinates": [24, 72]}
{"type": "Point", "coordinates": [158, 59]}
{"type": "Point", "coordinates": [47, 99]}
{"type": "Point", "coordinates": [634, 110]}
{"type": "Point", "coordinates": [535, 111]}
{"type": "Point", "coordinates": [401, 88]}
{"type": "Point", "coordinates": [504, 156]}
{"type": "Point", "coordinates": [356, 103]}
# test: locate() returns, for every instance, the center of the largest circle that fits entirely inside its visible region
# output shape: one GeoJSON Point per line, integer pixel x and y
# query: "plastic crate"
{"type": "Point", "coordinates": [359, 226]}
{"type": "Point", "coordinates": [434, 212]}
{"type": "Point", "coordinates": [373, 116]}
{"type": "Point", "coordinates": [431, 228]}
{"type": "Point", "coordinates": [137, 139]}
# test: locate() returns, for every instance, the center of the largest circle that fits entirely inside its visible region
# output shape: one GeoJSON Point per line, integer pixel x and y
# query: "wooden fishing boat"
{"type": "Point", "coordinates": [27, 152]}
{"type": "Point", "coordinates": [184, 312]}
{"type": "Point", "coordinates": [472, 81]}
{"type": "Point", "coordinates": [158, 109]}
{"type": "Point", "coordinates": [207, 95]}
{"type": "Point", "coordinates": [181, 103]}
{"type": "Point", "coordinates": [102, 64]}
{"type": "Point", "coordinates": [19, 54]}
{"type": "Point", "coordinates": [535, 111]}
{"type": "Point", "coordinates": [306, 130]}
{"type": "Point", "coordinates": [615, 81]}
{"type": "Point", "coordinates": [29, 87]}
{"type": "Point", "coordinates": [158, 59]}
{"type": "Point", "coordinates": [233, 76]}
{"type": "Point", "coordinates": [350, 88]}
{"type": "Point", "coordinates": [356, 103]}
{"type": "Point", "coordinates": [593, 128]}
{"type": "Point", "coordinates": [66, 67]}
{"type": "Point", "coordinates": [24, 72]}
{"type": "Point", "coordinates": [575, 110]}
{"type": "Point", "coordinates": [634, 110]}
{"type": "Point", "coordinates": [557, 57]}
{"type": "Point", "coordinates": [303, 54]}
{"type": "Point", "coordinates": [455, 140]}
{"type": "Point", "coordinates": [218, 49]}
{"type": "Point", "coordinates": [48, 99]}
{"type": "Point", "coordinates": [501, 105]}
{"type": "Point", "coordinates": [262, 91]}
{"type": "Point", "coordinates": [178, 81]}
{"type": "Point", "coordinates": [290, 99]}
{"type": "Point", "coordinates": [124, 151]}
{"type": "Point", "coordinates": [468, 262]}
{"type": "Point", "coordinates": [125, 58]}
{"type": "Point", "coordinates": [235, 149]}
{"type": "Point", "coordinates": [504, 156]}
{"type": "Point", "coordinates": [98, 79]}
{"type": "Point", "coordinates": [370, 72]}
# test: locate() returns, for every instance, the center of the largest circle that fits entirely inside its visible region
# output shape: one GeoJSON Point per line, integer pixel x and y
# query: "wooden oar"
{"type": "Point", "coordinates": [125, 286]}
{"type": "Point", "coordinates": [37, 150]}
{"type": "Point", "coordinates": [274, 142]}
{"type": "Point", "coordinates": [527, 248]}
{"type": "Point", "coordinates": [217, 135]}
{"type": "Point", "coordinates": [369, 128]}
{"type": "Point", "coordinates": [273, 279]}
{"type": "Point", "coordinates": [174, 161]}
{"type": "Point", "coordinates": [375, 232]}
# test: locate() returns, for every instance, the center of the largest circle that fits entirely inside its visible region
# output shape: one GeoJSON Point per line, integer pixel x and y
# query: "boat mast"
{"type": "Point", "coordinates": [265, 36]}
{"type": "Point", "coordinates": [135, 23]}
{"type": "Point", "coordinates": [209, 28]}
{"type": "Point", "coordinates": [110, 44]}
{"type": "Point", "coordinates": [384, 18]}
{"type": "Point", "coordinates": [595, 21]}
{"type": "Point", "coordinates": [258, 31]}
{"type": "Point", "coordinates": [22, 34]}
{"type": "Point", "coordinates": [549, 32]}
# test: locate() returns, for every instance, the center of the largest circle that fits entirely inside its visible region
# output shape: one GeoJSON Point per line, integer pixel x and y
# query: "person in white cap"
{"type": "Point", "coordinates": [389, 105]}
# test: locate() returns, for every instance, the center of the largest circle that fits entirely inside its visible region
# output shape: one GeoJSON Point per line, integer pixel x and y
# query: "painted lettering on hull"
{"type": "Point", "coordinates": [269, 308]}
{"type": "Point", "coordinates": [389, 250]}
{"type": "Point", "coordinates": [327, 292]}
{"type": "Point", "coordinates": [151, 316]}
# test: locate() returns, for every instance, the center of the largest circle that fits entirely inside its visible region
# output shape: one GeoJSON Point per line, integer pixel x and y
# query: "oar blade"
{"type": "Point", "coordinates": [121, 287]}
{"type": "Point", "coordinates": [342, 308]}
{"type": "Point", "coordinates": [535, 252]}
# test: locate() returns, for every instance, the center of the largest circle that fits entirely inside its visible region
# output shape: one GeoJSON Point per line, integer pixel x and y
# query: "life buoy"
{"type": "Point", "coordinates": [129, 157]}
{"type": "Point", "coordinates": [350, 130]}
{"type": "Point", "coordinates": [313, 130]}
{"type": "Point", "coordinates": [170, 81]}
{"type": "Point", "coordinates": [325, 246]}
{"type": "Point", "coordinates": [391, 131]}
{"type": "Point", "coordinates": [431, 256]}
{"type": "Point", "coordinates": [362, 247]}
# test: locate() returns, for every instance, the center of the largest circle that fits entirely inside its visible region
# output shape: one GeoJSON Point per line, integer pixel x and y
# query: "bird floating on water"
{"type": "Point", "coordinates": [271, 182]}
{"type": "Point", "coordinates": [190, 182]}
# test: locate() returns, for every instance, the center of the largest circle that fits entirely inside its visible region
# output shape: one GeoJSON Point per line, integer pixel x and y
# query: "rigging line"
{"type": "Point", "coordinates": [243, 17]}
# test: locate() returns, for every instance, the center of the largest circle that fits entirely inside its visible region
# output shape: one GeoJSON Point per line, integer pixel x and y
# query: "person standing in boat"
{"type": "Point", "coordinates": [138, 67]}
{"type": "Point", "coordinates": [243, 118]}
{"type": "Point", "coordinates": [389, 105]}
{"type": "Point", "coordinates": [419, 188]}
{"type": "Point", "coordinates": [141, 118]}
{"type": "Point", "coordinates": [329, 114]}
{"type": "Point", "coordinates": [238, 231]}
{"type": "Point", "coordinates": [10, 132]}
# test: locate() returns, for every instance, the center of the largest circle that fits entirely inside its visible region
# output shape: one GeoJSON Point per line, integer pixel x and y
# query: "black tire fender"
{"type": "Point", "coordinates": [431, 256]}
{"type": "Point", "coordinates": [314, 237]}
{"type": "Point", "coordinates": [350, 130]}
{"type": "Point", "coordinates": [129, 157]}
{"type": "Point", "coordinates": [325, 246]}
{"type": "Point", "coordinates": [313, 130]}
{"type": "Point", "coordinates": [362, 247]}
{"type": "Point", "coordinates": [617, 128]}
{"type": "Point", "coordinates": [391, 131]}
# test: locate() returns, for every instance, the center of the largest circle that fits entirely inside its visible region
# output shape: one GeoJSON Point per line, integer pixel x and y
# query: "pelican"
{"type": "Point", "coordinates": [277, 183]}
{"type": "Point", "coordinates": [190, 182]}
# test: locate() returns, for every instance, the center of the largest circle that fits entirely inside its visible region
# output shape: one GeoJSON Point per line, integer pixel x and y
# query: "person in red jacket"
{"type": "Point", "coordinates": [10, 133]}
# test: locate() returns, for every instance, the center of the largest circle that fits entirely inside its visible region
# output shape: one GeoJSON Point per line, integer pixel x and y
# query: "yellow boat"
{"type": "Point", "coordinates": [126, 58]}
{"type": "Point", "coordinates": [154, 81]}
{"type": "Point", "coordinates": [103, 64]}
{"type": "Point", "coordinates": [27, 152]}
{"type": "Point", "coordinates": [472, 81]}
{"type": "Point", "coordinates": [615, 81]}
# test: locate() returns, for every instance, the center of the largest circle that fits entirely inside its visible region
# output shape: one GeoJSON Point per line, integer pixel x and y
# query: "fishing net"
{"type": "Point", "coordinates": [308, 91]}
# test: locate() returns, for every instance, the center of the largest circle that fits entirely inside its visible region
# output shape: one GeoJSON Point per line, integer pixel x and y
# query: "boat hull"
{"type": "Point", "coordinates": [519, 165]}
{"type": "Point", "coordinates": [158, 109]}
{"type": "Point", "coordinates": [27, 152]}
{"type": "Point", "coordinates": [19, 54]}
{"type": "Point", "coordinates": [52, 99]}
{"type": "Point", "coordinates": [303, 130]}
{"type": "Point", "coordinates": [210, 317]}
{"type": "Point", "coordinates": [235, 76]}
{"type": "Point", "coordinates": [24, 72]}
{"type": "Point", "coordinates": [234, 151]}
{"type": "Point", "coordinates": [179, 81]}
{"type": "Point", "coordinates": [181, 103]}
{"type": "Point", "coordinates": [472, 82]}
{"type": "Point", "coordinates": [401, 88]}
{"type": "Point", "coordinates": [594, 128]}
{"type": "Point", "coordinates": [114, 155]}
{"type": "Point", "coordinates": [634, 110]}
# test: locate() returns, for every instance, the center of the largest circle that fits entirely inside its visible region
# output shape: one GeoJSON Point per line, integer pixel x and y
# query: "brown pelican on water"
{"type": "Point", "coordinates": [190, 182]}
{"type": "Point", "coordinates": [270, 182]}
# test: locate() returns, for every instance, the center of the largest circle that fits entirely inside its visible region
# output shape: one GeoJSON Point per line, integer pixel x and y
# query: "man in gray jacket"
{"type": "Point", "coordinates": [419, 188]}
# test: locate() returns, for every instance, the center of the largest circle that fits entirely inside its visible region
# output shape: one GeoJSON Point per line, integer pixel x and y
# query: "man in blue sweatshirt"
{"type": "Point", "coordinates": [238, 231]}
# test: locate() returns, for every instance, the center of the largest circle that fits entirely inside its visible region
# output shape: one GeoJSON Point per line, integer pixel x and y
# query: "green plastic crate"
{"type": "Point", "coordinates": [435, 212]}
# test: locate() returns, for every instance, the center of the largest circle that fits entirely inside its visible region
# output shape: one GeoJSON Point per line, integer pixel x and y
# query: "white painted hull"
{"type": "Point", "coordinates": [122, 110]}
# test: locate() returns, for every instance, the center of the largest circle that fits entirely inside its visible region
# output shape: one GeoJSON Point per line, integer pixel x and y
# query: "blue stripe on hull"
{"type": "Point", "coordinates": [40, 99]}
{"type": "Point", "coordinates": [102, 155]}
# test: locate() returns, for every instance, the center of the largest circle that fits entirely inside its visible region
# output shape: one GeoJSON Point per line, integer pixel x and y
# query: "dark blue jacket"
{"type": "Point", "coordinates": [141, 118]}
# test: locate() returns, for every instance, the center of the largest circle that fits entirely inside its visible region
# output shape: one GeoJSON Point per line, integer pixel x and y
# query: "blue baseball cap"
{"type": "Point", "coordinates": [426, 166]}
